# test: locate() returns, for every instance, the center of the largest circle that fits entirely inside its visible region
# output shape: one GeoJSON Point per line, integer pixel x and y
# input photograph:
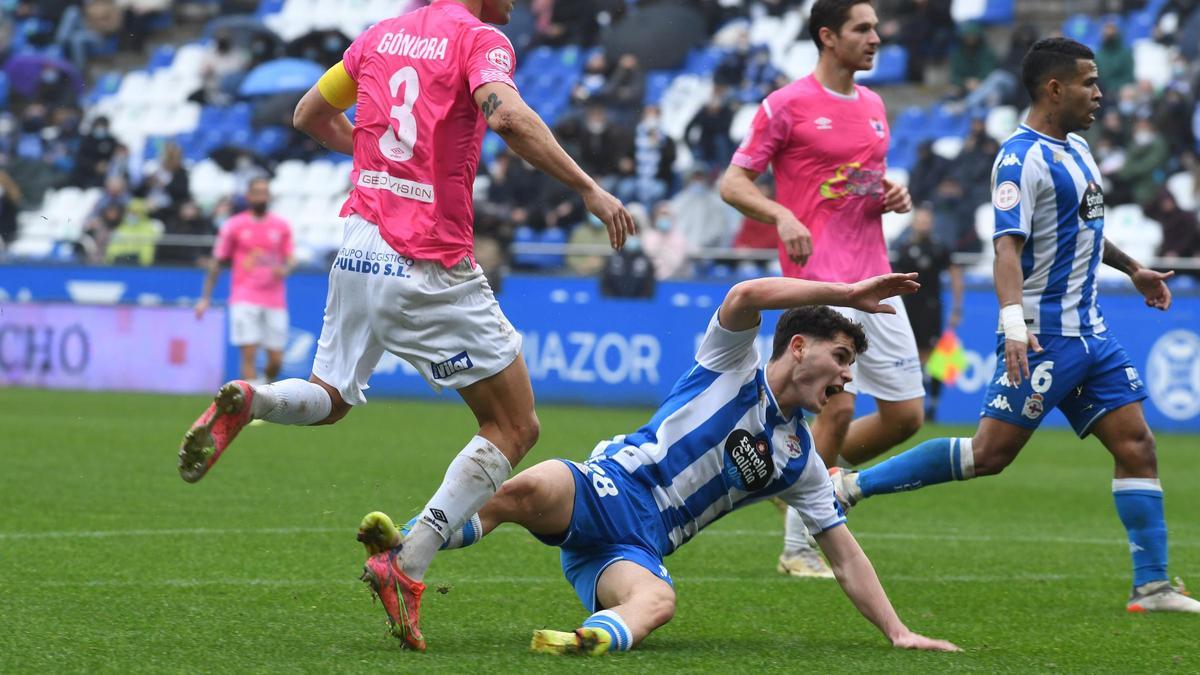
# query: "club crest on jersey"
{"type": "Point", "coordinates": [1033, 407]}
{"type": "Point", "coordinates": [500, 58]}
{"type": "Point", "coordinates": [748, 464]}
{"type": "Point", "coordinates": [823, 124]}
{"type": "Point", "coordinates": [1006, 196]}
{"type": "Point", "coordinates": [1091, 207]}
{"type": "Point", "coordinates": [877, 126]}
{"type": "Point", "coordinates": [794, 449]}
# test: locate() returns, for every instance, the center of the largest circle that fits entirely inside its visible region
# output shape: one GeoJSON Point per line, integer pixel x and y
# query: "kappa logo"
{"type": "Point", "coordinates": [1000, 403]}
{"type": "Point", "coordinates": [1034, 407]}
{"type": "Point", "coordinates": [1010, 159]}
{"type": "Point", "coordinates": [455, 364]}
{"type": "Point", "coordinates": [1003, 381]}
{"type": "Point", "coordinates": [823, 124]}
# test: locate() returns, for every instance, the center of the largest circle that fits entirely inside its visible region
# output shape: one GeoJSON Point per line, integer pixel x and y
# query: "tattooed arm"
{"type": "Point", "coordinates": [1151, 284]}
{"type": "Point", "coordinates": [509, 116]}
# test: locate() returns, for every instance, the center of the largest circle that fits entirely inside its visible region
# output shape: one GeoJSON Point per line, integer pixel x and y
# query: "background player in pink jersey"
{"type": "Point", "coordinates": [827, 140]}
{"type": "Point", "coordinates": [427, 84]}
{"type": "Point", "coordinates": [258, 246]}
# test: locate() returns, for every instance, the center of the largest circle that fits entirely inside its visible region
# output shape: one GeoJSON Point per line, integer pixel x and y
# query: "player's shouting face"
{"type": "Point", "coordinates": [821, 369]}
{"type": "Point", "coordinates": [856, 41]}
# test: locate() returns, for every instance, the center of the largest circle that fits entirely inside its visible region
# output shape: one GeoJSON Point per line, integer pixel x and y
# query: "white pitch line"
{"type": "Point", "coordinates": [539, 579]}
{"type": "Point", "coordinates": [1177, 542]}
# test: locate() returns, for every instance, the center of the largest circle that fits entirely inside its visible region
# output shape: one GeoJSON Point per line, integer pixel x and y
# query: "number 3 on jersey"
{"type": "Point", "coordinates": [397, 142]}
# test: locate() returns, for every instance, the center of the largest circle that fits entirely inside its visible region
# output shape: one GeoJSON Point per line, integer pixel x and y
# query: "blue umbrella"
{"type": "Point", "coordinates": [281, 75]}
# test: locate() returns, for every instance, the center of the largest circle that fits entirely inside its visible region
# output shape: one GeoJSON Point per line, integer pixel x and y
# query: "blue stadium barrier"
{"type": "Point", "coordinates": [3, 90]}
{"type": "Point", "coordinates": [582, 347]}
{"type": "Point", "coordinates": [657, 82]}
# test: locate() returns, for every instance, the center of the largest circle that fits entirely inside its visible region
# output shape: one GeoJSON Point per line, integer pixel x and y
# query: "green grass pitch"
{"type": "Point", "coordinates": [109, 562]}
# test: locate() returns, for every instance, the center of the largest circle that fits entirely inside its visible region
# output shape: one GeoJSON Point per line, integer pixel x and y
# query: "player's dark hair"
{"type": "Point", "coordinates": [815, 321]}
{"type": "Point", "coordinates": [1051, 58]}
{"type": "Point", "coordinates": [831, 14]}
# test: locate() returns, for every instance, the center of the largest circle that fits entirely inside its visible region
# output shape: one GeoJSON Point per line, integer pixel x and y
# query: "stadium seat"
{"type": "Point", "coordinates": [948, 147]}
{"type": "Point", "coordinates": [1001, 122]}
{"type": "Point", "coordinates": [799, 59]}
{"type": "Point", "coordinates": [3, 91]}
{"type": "Point", "coordinates": [1083, 28]}
{"type": "Point", "coordinates": [657, 82]}
{"type": "Point", "coordinates": [890, 67]}
{"type": "Point", "coordinates": [967, 10]}
{"type": "Point", "coordinates": [1183, 188]}
{"type": "Point", "coordinates": [1152, 63]}
{"type": "Point", "coordinates": [525, 235]}
{"type": "Point", "coordinates": [999, 12]}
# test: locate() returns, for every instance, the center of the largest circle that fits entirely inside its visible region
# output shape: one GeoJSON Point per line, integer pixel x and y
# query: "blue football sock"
{"type": "Point", "coordinates": [1140, 506]}
{"type": "Point", "coordinates": [610, 622]}
{"type": "Point", "coordinates": [932, 462]}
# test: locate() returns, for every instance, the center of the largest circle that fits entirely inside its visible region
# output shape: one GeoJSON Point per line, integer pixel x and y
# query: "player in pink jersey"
{"type": "Point", "coordinates": [427, 84]}
{"type": "Point", "coordinates": [257, 245]}
{"type": "Point", "coordinates": [827, 139]}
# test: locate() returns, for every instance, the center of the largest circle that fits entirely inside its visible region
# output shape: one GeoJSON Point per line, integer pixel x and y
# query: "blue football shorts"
{"type": "Point", "coordinates": [614, 519]}
{"type": "Point", "coordinates": [1084, 377]}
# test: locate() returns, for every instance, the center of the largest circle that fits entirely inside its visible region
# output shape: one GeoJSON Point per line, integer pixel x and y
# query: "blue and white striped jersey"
{"type": "Point", "coordinates": [720, 442]}
{"type": "Point", "coordinates": [1048, 191]}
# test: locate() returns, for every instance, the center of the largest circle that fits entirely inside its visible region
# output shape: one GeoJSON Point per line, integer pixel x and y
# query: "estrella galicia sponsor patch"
{"type": "Point", "coordinates": [748, 464]}
{"type": "Point", "coordinates": [1091, 207]}
{"type": "Point", "coordinates": [1006, 196]}
{"type": "Point", "coordinates": [455, 364]}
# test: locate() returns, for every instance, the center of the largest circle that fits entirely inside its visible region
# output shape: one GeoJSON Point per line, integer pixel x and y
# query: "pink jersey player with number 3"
{"type": "Point", "coordinates": [427, 86]}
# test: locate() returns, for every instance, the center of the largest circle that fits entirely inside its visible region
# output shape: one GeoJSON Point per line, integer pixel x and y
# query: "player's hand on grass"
{"type": "Point", "coordinates": [1153, 286]}
{"type": "Point", "coordinates": [911, 640]}
{"type": "Point", "coordinates": [796, 238]}
{"type": "Point", "coordinates": [201, 308]}
{"type": "Point", "coordinates": [868, 294]}
{"type": "Point", "coordinates": [1016, 358]}
{"type": "Point", "coordinates": [896, 197]}
{"type": "Point", "coordinates": [612, 213]}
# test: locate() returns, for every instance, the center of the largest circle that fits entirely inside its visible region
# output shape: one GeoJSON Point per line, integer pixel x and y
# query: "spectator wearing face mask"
{"type": "Point", "coordinates": [223, 59]}
{"type": "Point", "coordinates": [1146, 160]}
{"type": "Point", "coordinates": [95, 150]}
{"type": "Point", "coordinates": [665, 244]}
{"type": "Point", "coordinates": [1114, 60]}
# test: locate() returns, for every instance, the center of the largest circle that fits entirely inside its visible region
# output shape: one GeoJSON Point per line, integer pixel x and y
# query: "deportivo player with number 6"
{"type": "Point", "coordinates": [427, 85]}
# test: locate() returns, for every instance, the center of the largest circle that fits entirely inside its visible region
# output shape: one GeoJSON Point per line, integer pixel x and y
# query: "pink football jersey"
{"type": "Point", "coordinates": [418, 131]}
{"type": "Point", "coordinates": [829, 153]}
{"type": "Point", "coordinates": [256, 249]}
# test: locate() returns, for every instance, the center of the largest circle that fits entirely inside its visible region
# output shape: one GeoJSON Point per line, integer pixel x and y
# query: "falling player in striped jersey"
{"type": "Point", "coordinates": [1054, 349]}
{"type": "Point", "coordinates": [731, 433]}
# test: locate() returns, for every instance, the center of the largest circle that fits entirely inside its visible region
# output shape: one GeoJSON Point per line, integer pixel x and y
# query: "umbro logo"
{"type": "Point", "coordinates": [440, 515]}
{"type": "Point", "coordinates": [1010, 160]}
{"type": "Point", "coordinates": [1000, 403]}
{"type": "Point", "coordinates": [823, 123]}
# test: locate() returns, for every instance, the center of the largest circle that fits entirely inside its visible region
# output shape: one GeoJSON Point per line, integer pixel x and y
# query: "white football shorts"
{"type": "Point", "coordinates": [258, 325]}
{"type": "Point", "coordinates": [890, 369]}
{"type": "Point", "coordinates": [445, 322]}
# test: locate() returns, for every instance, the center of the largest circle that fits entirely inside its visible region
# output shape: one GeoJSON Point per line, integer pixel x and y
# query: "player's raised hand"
{"type": "Point", "coordinates": [911, 640]}
{"type": "Point", "coordinates": [1152, 285]}
{"type": "Point", "coordinates": [896, 197]}
{"type": "Point", "coordinates": [796, 238]}
{"type": "Point", "coordinates": [612, 213]}
{"type": "Point", "coordinates": [868, 294]}
{"type": "Point", "coordinates": [201, 308]}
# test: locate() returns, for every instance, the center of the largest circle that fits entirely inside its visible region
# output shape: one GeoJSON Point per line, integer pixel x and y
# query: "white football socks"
{"type": "Point", "coordinates": [292, 401]}
{"type": "Point", "coordinates": [795, 534]}
{"type": "Point", "coordinates": [471, 480]}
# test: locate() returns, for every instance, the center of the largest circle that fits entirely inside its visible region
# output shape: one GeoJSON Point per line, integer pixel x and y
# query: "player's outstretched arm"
{"type": "Point", "coordinates": [858, 579]}
{"type": "Point", "coordinates": [741, 307]}
{"type": "Point", "coordinates": [739, 191]}
{"type": "Point", "coordinates": [1151, 284]}
{"type": "Point", "coordinates": [321, 111]}
{"type": "Point", "coordinates": [210, 281]}
{"type": "Point", "coordinates": [523, 130]}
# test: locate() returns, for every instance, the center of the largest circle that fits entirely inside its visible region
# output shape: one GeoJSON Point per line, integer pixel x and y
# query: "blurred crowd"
{"type": "Point", "coordinates": [48, 139]}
